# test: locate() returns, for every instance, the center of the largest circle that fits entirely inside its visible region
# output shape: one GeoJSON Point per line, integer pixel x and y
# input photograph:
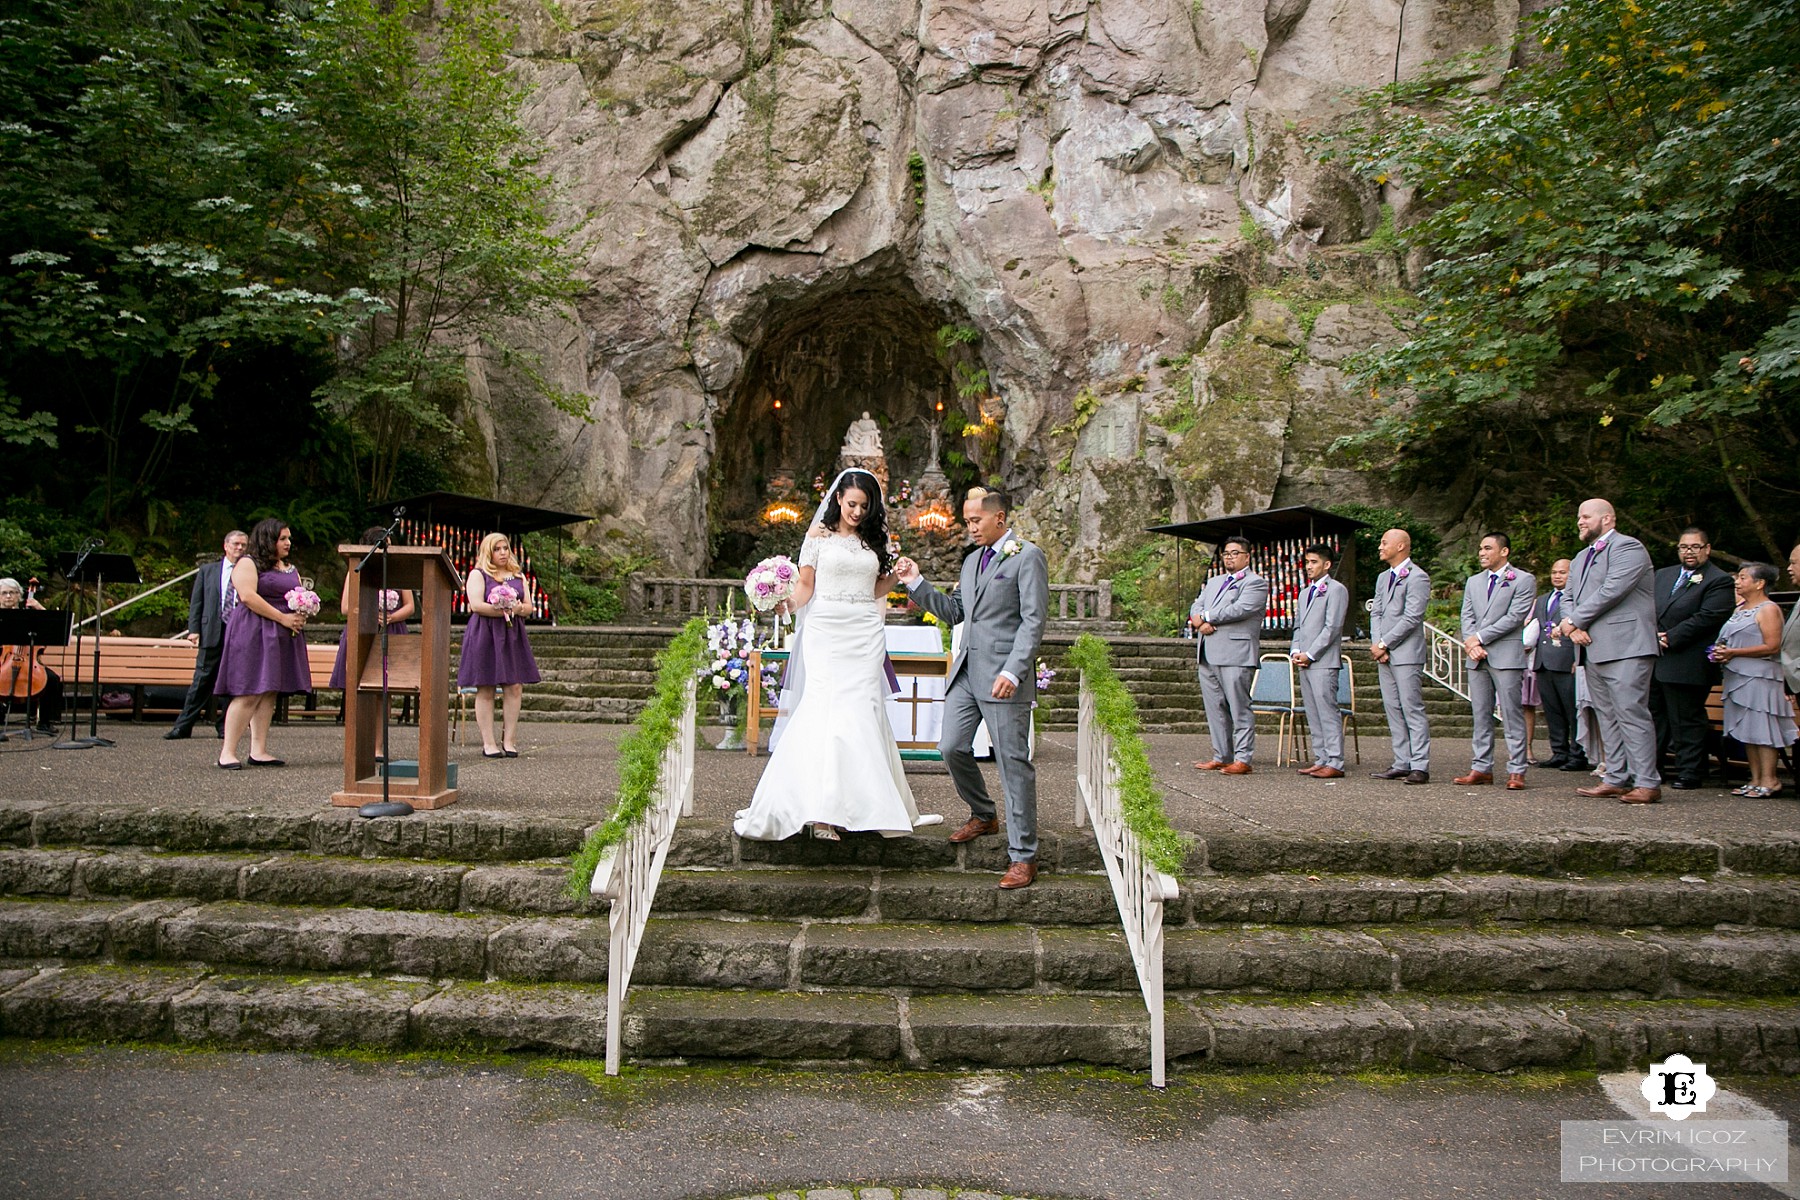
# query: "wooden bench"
{"type": "Point", "coordinates": [139, 663]}
{"type": "Point", "coordinates": [1715, 717]}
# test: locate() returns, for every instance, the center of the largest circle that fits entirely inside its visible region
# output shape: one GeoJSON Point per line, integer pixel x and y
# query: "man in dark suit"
{"type": "Point", "coordinates": [208, 606]}
{"type": "Point", "coordinates": [1556, 674]}
{"type": "Point", "coordinates": [1693, 599]}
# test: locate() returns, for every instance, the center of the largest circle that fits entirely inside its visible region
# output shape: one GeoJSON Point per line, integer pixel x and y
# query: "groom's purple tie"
{"type": "Point", "coordinates": [987, 556]}
{"type": "Point", "coordinates": [1492, 580]}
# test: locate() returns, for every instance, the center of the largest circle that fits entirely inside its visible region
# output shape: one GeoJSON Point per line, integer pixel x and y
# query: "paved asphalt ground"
{"type": "Point", "coordinates": [130, 1122]}
{"type": "Point", "coordinates": [568, 771]}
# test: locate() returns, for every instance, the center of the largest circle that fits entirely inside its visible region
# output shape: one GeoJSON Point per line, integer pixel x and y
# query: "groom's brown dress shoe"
{"type": "Point", "coordinates": [1600, 790]}
{"type": "Point", "coordinates": [1211, 764]}
{"type": "Point", "coordinates": [1019, 875]}
{"type": "Point", "coordinates": [1473, 779]}
{"type": "Point", "coordinates": [1235, 768]}
{"type": "Point", "coordinates": [1642, 795]}
{"type": "Point", "coordinates": [975, 827]}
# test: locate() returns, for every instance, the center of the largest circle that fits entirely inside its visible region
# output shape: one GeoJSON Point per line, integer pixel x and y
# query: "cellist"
{"type": "Point", "coordinates": [15, 672]}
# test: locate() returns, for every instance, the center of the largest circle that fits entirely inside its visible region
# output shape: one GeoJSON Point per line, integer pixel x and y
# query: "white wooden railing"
{"type": "Point", "coordinates": [1446, 661]}
{"type": "Point", "coordinates": [630, 870]}
{"type": "Point", "coordinates": [661, 601]}
{"type": "Point", "coordinates": [1139, 889]}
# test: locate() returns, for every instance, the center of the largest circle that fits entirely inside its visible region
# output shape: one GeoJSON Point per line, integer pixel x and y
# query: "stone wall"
{"type": "Point", "coordinates": [1117, 195]}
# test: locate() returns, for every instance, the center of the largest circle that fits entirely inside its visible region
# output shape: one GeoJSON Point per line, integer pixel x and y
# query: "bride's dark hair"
{"type": "Point", "coordinates": [873, 527]}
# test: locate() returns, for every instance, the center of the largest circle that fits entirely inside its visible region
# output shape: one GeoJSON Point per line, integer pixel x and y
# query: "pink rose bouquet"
{"type": "Point", "coordinates": [504, 598]}
{"type": "Point", "coordinates": [389, 601]}
{"type": "Point", "coordinates": [771, 581]}
{"type": "Point", "coordinates": [304, 601]}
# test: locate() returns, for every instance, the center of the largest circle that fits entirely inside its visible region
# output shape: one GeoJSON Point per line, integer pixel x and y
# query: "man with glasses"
{"type": "Point", "coordinates": [209, 607]}
{"type": "Point", "coordinates": [1228, 616]}
{"type": "Point", "coordinates": [1693, 599]}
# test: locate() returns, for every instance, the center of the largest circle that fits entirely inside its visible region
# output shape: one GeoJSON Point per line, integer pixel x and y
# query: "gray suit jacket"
{"type": "Point", "coordinates": [1612, 595]}
{"type": "Point", "coordinates": [1319, 633]}
{"type": "Point", "coordinates": [1790, 650]}
{"type": "Point", "coordinates": [204, 617]}
{"type": "Point", "coordinates": [1004, 609]}
{"type": "Point", "coordinates": [1398, 618]}
{"type": "Point", "coordinates": [1497, 619]}
{"type": "Point", "coordinates": [1237, 610]}
{"type": "Point", "coordinates": [1550, 656]}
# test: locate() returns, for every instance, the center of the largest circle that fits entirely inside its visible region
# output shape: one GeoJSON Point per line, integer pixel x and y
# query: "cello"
{"type": "Point", "coordinates": [22, 671]}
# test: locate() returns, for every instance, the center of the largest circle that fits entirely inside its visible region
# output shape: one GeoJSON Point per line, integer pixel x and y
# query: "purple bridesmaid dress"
{"type": "Point", "coordinates": [495, 651]}
{"type": "Point", "coordinates": [259, 655]}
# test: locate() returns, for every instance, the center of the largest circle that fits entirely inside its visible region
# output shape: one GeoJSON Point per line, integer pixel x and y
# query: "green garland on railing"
{"type": "Point", "coordinates": [641, 750]}
{"type": "Point", "coordinates": [1139, 797]}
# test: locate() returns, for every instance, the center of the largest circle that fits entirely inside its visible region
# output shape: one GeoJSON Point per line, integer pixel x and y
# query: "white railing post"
{"type": "Point", "coordinates": [1139, 889]}
{"type": "Point", "coordinates": [630, 870]}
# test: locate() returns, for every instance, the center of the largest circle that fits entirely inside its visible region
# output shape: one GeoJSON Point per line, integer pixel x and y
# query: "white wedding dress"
{"type": "Point", "coordinates": [836, 760]}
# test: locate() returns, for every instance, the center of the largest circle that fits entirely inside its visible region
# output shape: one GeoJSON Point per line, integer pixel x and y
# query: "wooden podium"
{"type": "Point", "coordinates": [418, 663]}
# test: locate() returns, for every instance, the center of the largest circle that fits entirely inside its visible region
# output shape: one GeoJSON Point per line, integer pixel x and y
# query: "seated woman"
{"type": "Point", "coordinates": [46, 705]}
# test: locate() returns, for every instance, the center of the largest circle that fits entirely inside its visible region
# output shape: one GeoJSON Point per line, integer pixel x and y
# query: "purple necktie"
{"type": "Point", "coordinates": [1492, 580]}
{"type": "Point", "coordinates": [987, 556]}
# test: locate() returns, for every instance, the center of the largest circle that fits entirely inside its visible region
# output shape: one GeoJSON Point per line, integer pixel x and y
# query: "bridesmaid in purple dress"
{"type": "Point", "coordinates": [495, 652]}
{"type": "Point", "coordinates": [263, 654]}
{"type": "Point", "coordinates": [396, 620]}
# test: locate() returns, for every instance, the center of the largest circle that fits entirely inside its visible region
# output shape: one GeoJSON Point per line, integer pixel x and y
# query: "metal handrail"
{"type": "Point", "coordinates": [631, 868]}
{"type": "Point", "coordinates": [128, 603]}
{"type": "Point", "coordinates": [1446, 660]}
{"type": "Point", "coordinates": [678, 599]}
{"type": "Point", "coordinates": [1139, 889]}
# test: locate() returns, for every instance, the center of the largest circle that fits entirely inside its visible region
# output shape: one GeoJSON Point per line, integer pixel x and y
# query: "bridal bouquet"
{"type": "Point", "coordinates": [304, 601]}
{"type": "Point", "coordinates": [771, 581]}
{"type": "Point", "coordinates": [504, 598]}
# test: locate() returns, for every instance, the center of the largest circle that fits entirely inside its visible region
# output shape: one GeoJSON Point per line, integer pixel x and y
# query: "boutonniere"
{"type": "Point", "coordinates": [1508, 578]}
{"type": "Point", "coordinates": [1403, 572]}
{"type": "Point", "coordinates": [1695, 577]}
{"type": "Point", "coordinates": [1011, 548]}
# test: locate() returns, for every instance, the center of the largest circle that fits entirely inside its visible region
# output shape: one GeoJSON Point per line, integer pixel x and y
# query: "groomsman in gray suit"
{"type": "Point", "coordinates": [1612, 617]}
{"type": "Point", "coordinates": [1397, 625]}
{"type": "Point", "coordinates": [1228, 614]}
{"type": "Point", "coordinates": [1556, 674]}
{"type": "Point", "coordinates": [1496, 605]}
{"type": "Point", "coordinates": [1318, 649]}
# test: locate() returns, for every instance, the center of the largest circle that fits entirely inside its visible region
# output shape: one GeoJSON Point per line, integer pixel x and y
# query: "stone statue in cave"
{"type": "Point", "coordinates": [862, 450]}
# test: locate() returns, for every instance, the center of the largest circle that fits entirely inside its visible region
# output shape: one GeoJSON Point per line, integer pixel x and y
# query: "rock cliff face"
{"type": "Point", "coordinates": [1112, 198]}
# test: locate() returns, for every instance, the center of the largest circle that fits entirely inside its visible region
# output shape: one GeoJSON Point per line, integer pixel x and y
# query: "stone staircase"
{"type": "Point", "coordinates": [1486, 952]}
{"type": "Point", "coordinates": [606, 673]}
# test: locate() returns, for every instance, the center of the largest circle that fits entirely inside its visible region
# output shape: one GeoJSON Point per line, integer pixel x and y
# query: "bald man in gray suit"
{"type": "Point", "coordinates": [1397, 630]}
{"type": "Point", "coordinates": [1612, 617]}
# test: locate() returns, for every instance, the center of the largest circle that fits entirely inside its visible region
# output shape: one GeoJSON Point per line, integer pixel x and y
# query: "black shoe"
{"type": "Point", "coordinates": [176, 735]}
{"type": "Point", "coordinates": [266, 762]}
{"type": "Point", "coordinates": [1390, 773]}
{"type": "Point", "coordinates": [1550, 764]}
{"type": "Point", "coordinates": [1417, 777]}
{"type": "Point", "coordinates": [1577, 764]}
{"type": "Point", "coordinates": [1686, 785]}
{"type": "Point", "coordinates": [225, 766]}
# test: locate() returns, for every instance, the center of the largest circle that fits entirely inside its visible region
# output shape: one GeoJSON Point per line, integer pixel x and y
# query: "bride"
{"type": "Point", "coordinates": [832, 757]}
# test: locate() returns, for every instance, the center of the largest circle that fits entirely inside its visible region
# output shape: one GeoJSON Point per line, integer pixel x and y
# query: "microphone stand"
{"type": "Point", "coordinates": [75, 741]}
{"type": "Point", "coordinates": [386, 806]}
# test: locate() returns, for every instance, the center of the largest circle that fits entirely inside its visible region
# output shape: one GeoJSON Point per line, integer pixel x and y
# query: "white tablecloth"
{"type": "Point", "coordinates": [917, 639]}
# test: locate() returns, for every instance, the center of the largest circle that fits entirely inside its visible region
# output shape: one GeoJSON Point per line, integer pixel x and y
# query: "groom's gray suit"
{"type": "Point", "coordinates": [1002, 608]}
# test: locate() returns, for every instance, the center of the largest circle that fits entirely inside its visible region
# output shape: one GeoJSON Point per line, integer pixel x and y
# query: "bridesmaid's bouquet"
{"type": "Point", "coordinates": [771, 581]}
{"type": "Point", "coordinates": [504, 598]}
{"type": "Point", "coordinates": [304, 601]}
{"type": "Point", "coordinates": [389, 601]}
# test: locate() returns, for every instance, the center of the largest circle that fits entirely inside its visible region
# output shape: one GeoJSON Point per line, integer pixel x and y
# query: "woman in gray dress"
{"type": "Point", "coordinates": [1756, 711]}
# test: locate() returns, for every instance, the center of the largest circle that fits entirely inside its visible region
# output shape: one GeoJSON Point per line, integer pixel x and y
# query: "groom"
{"type": "Point", "coordinates": [1003, 600]}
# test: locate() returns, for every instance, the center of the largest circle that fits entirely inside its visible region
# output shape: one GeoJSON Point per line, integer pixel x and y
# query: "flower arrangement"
{"type": "Point", "coordinates": [304, 601]}
{"type": "Point", "coordinates": [1045, 673]}
{"type": "Point", "coordinates": [771, 581]}
{"type": "Point", "coordinates": [506, 599]}
{"type": "Point", "coordinates": [727, 666]}
{"type": "Point", "coordinates": [389, 600]}
{"type": "Point", "coordinates": [901, 496]}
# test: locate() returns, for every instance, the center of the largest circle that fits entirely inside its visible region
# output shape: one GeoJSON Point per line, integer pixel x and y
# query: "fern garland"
{"type": "Point", "coordinates": [1139, 797]}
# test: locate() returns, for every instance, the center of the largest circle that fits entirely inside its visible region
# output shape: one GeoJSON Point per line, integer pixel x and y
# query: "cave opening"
{"type": "Point", "coordinates": [825, 359]}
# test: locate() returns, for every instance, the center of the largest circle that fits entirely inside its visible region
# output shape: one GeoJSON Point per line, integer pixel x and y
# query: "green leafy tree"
{"type": "Point", "coordinates": [1610, 242]}
{"type": "Point", "coordinates": [425, 192]}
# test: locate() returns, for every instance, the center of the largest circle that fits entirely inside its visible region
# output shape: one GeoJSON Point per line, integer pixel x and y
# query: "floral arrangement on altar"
{"type": "Point", "coordinates": [727, 667]}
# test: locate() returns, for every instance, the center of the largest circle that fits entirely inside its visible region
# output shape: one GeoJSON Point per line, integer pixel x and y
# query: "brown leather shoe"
{"type": "Point", "coordinates": [1474, 779]}
{"type": "Point", "coordinates": [1327, 773]}
{"type": "Point", "coordinates": [1642, 795]}
{"type": "Point", "coordinates": [1211, 764]}
{"type": "Point", "coordinates": [975, 827]}
{"type": "Point", "coordinates": [1019, 875]}
{"type": "Point", "coordinates": [1600, 791]}
{"type": "Point", "coordinates": [1312, 770]}
{"type": "Point", "coordinates": [1236, 768]}
{"type": "Point", "coordinates": [1515, 783]}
